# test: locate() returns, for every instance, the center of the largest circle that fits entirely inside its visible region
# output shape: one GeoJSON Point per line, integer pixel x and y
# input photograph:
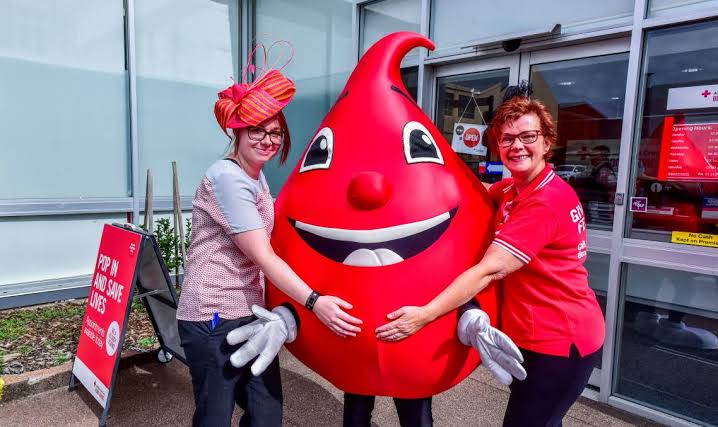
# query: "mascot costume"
{"type": "Point", "coordinates": [381, 213]}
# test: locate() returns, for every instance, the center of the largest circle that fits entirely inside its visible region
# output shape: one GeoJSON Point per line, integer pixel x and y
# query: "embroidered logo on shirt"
{"type": "Point", "coordinates": [582, 251]}
{"type": "Point", "coordinates": [578, 218]}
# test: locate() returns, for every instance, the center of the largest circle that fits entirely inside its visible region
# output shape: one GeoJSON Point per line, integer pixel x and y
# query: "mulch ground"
{"type": "Point", "coordinates": [44, 336]}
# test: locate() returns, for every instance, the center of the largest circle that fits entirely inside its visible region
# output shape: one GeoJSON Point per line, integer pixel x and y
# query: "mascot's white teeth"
{"type": "Point", "coordinates": [372, 258]}
{"type": "Point", "coordinates": [377, 235]}
{"type": "Point", "coordinates": [377, 247]}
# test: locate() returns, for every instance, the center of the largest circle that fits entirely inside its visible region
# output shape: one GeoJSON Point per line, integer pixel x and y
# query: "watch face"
{"type": "Point", "coordinates": [382, 213]}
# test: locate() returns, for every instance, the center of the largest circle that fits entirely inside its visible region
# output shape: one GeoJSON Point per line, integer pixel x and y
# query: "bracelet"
{"type": "Point", "coordinates": [313, 297]}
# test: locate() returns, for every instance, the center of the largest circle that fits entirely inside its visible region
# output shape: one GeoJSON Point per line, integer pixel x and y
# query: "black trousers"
{"type": "Point", "coordinates": [218, 385]}
{"type": "Point", "coordinates": [412, 412]}
{"type": "Point", "coordinates": [552, 385]}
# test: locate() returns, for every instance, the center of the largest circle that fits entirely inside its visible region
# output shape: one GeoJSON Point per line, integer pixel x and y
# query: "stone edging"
{"type": "Point", "coordinates": [13, 387]}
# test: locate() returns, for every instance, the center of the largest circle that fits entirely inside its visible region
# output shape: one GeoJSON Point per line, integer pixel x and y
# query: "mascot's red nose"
{"type": "Point", "coordinates": [368, 190]}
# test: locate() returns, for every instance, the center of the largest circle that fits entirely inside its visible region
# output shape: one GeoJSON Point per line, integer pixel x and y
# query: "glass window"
{"type": "Point", "coordinates": [44, 248]}
{"type": "Point", "coordinates": [63, 102]}
{"type": "Point", "coordinates": [675, 166]}
{"type": "Point", "coordinates": [673, 7]}
{"type": "Point", "coordinates": [667, 343]}
{"type": "Point", "coordinates": [469, 101]}
{"type": "Point", "coordinates": [321, 34]}
{"type": "Point", "coordinates": [458, 22]}
{"type": "Point", "coordinates": [187, 51]}
{"type": "Point", "coordinates": [388, 16]}
{"type": "Point", "coordinates": [597, 266]}
{"type": "Point", "coordinates": [585, 97]}
{"type": "Point", "coordinates": [410, 78]}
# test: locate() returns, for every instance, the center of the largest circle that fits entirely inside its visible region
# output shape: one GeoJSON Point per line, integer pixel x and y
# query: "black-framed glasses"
{"type": "Point", "coordinates": [258, 134]}
{"type": "Point", "coordinates": [526, 137]}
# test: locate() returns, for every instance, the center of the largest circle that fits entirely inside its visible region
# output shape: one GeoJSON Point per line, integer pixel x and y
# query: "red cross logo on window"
{"type": "Point", "coordinates": [705, 93]}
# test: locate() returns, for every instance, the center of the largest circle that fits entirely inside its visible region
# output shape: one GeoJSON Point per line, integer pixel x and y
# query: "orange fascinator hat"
{"type": "Point", "coordinates": [249, 104]}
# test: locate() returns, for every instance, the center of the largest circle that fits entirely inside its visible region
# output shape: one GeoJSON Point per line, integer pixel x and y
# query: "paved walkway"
{"type": "Point", "coordinates": [161, 395]}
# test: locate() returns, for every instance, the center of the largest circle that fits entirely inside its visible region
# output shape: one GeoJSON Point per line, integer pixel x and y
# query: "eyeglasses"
{"type": "Point", "coordinates": [527, 137]}
{"type": "Point", "coordinates": [258, 134]}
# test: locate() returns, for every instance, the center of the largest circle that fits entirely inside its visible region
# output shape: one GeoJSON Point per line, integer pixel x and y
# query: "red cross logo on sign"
{"type": "Point", "coordinates": [705, 93]}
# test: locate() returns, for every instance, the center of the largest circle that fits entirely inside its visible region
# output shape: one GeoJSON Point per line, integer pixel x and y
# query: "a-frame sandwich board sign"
{"type": "Point", "coordinates": [128, 259]}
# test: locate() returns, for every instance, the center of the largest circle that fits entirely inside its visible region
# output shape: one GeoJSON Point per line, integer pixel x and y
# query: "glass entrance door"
{"type": "Point", "coordinates": [584, 88]}
{"type": "Point", "coordinates": [467, 95]}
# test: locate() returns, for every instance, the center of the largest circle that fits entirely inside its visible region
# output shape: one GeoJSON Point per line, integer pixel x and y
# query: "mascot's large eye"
{"type": "Point", "coordinates": [319, 154]}
{"type": "Point", "coordinates": [419, 146]}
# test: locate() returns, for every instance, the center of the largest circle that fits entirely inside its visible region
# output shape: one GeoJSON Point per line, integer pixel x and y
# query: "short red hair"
{"type": "Point", "coordinates": [518, 106]}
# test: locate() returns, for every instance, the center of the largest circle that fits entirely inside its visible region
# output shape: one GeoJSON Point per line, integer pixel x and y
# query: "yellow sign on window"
{"type": "Point", "coordinates": [696, 239]}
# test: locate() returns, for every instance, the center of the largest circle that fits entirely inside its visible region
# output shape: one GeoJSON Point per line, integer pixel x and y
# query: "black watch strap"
{"type": "Point", "coordinates": [313, 297]}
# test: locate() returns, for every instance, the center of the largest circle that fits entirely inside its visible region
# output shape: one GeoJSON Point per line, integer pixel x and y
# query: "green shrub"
{"type": "Point", "coordinates": [169, 243]}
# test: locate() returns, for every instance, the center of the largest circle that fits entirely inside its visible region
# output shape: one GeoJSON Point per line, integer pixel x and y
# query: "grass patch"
{"type": "Point", "coordinates": [15, 324]}
{"type": "Point", "coordinates": [12, 328]}
{"type": "Point", "coordinates": [57, 313]}
{"type": "Point", "coordinates": [147, 342]}
{"type": "Point", "coordinates": [61, 358]}
{"type": "Point", "coordinates": [138, 305]}
{"type": "Point", "coordinates": [44, 336]}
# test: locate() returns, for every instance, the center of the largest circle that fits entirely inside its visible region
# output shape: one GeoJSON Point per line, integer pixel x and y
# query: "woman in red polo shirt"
{"type": "Point", "coordinates": [538, 250]}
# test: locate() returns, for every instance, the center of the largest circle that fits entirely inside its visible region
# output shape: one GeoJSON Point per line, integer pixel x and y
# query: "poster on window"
{"type": "Point", "coordinates": [684, 98]}
{"type": "Point", "coordinates": [469, 139]}
{"type": "Point", "coordinates": [689, 151]}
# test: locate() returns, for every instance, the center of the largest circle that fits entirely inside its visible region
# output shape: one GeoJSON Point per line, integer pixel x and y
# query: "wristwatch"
{"type": "Point", "coordinates": [313, 297]}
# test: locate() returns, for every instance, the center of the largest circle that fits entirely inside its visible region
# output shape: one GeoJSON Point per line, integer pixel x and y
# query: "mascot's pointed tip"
{"type": "Point", "coordinates": [383, 59]}
{"type": "Point", "coordinates": [415, 39]}
{"type": "Point", "coordinates": [400, 43]}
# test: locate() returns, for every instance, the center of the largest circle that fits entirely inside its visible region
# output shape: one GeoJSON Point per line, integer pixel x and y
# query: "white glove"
{"type": "Point", "coordinates": [265, 337]}
{"type": "Point", "coordinates": [498, 353]}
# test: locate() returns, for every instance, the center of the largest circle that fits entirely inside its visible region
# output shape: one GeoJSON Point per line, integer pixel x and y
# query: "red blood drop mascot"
{"type": "Point", "coordinates": [382, 213]}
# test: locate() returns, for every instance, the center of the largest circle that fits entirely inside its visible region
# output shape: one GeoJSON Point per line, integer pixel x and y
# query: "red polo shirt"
{"type": "Point", "coordinates": [547, 305]}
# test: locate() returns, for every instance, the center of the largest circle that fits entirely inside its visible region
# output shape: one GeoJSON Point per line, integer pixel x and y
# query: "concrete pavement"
{"type": "Point", "coordinates": [161, 395]}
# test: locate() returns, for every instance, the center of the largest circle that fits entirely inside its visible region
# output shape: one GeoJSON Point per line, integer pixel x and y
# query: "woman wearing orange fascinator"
{"type": "Point", "coordinates": [229, 257]}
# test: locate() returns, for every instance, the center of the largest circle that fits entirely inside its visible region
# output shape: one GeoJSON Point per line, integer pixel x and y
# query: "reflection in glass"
{"type": "Point", "coordinates": [675, 167]}
{"type": "Point", "coordinates": [182, 63]}
{"type": "Point", "coordinates": [388, 16]}
{"type": "Point", "coordinates": [457, 23]}
{"type": "Point", "coordinates": [63, 100]}
{"type": "Point", "coordinates": [585, 97]}
{"type": "Point", "coordinates": [597, 267]}
{"type": "Point", "coordinates": [456, 109]}
{"type": "Point", "coordinates": [321, 34]}
{"type": "Point", "coordinates": [674, 7]}
{"type": "Point", "coordinates": [410, 78]}
{"type": "Point", "coordinates": [68, 246]}
{"type": "Point", "coordinates": [668, 343]}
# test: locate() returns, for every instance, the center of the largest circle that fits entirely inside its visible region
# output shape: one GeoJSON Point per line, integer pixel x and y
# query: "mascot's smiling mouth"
{"type": "Point", "coordinates": [377, 247]}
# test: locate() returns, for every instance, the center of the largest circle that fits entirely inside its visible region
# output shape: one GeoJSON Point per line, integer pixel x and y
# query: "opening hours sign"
{"type": "Point", "coordinates": [689, 152]}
